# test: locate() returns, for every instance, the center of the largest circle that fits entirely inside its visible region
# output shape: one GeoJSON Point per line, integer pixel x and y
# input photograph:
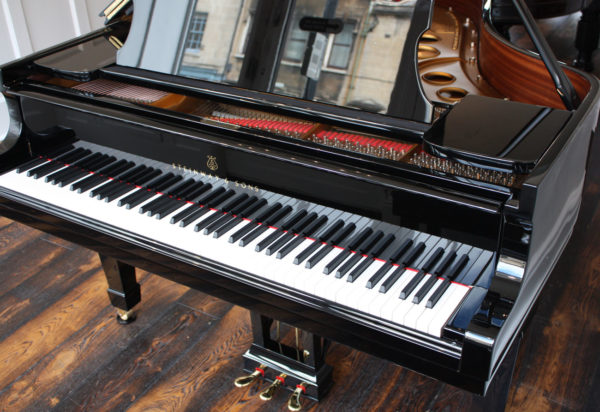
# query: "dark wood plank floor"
{"type": "Point", "coordinates": [61, 348]}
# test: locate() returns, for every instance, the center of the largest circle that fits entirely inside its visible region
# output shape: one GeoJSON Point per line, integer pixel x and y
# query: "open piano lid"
{"type": "Point", "coordinates": [358, 54]}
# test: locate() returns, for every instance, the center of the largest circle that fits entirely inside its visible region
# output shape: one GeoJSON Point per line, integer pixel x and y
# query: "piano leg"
{"type": "Point", "coordinates": [302, 363]}
{"type": "Point", "coordinates": [123, 289]}
{"type": "Point", "coordinates": [497, 393]}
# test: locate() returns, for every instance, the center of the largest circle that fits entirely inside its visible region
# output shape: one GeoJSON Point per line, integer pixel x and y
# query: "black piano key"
{"type": "Point", "coordinates": [246, 240]}
{"type": "Point", "coordinates": [31, 164]}
{"type": "Point", "coordinates": [279, 243]}
{"type": "Point", "coordinates": [195, 213]}
{"type": "Point", "coordinates": [253, 208]}
{"type": "Point", "coordinates": [277, 216]}
{"type": "Point", "coordinates": [231, 215]}
{"type": "Point", "coordinates": [125, 188]}
{"type": "Point", "coordinates": [297, 228]}
{"type": "Point", "coordinates": [382, 245]}
{"type": "Point", "coordinates": [435, 256]}
{"type": "Point", "coordinates": [227, 227]}
{"type": "Point", "coordinates": [101, 176]}
{"type": "Point", "coordinates": [189, 210]}
{"type": "Point", "coordinates": [253, 224]}
{"type": "Point", "coordinates": [146, 177]}
{"type": "Point", "coordinates": [369, 243]}
{"type": "Point", "coordinates": [457, 268]}
{"type": "Point", "coordinates": [169, 208]}
{"type": "Point", "coordinates": [208, 198]}
{"type": "Point", "coordinates": [163, 182]}
{"type": "Point", "coordinates": [268, 240]}
{"type": "Point", "coordinates": [377, 276]}
{"type": "Point", "coordinates": [424, 290]}
{"type": "Point", "coordinates": [402, 249]}
{"type": "Point", "coordinates": [107, 188]}
{"type": "Point", "coordinates": [410, 286]}
{"type": "Point", "coordinates": [102, 162]}
{"type": "Point", "coordinates": [73, 168]}
{"type": "Point", "coordinates": [163, 202]}
{"type": "Point", "coordinates": [392, 279]}
{"type": "Point", "coordinates": [331, 230]}
{"type": "Point", "coordinates": [358, 239]}
{"type": "Point", "coordinates": [177, 190]}
{"type": "Point", "coordinates": [360, 269]}
{"type": "Point", "coordinates": [349, 264]}
{"type": "Point", "coordinates": [290, 246]}
{"type": "Point", "coordinates": [166, 206]}
{"type": "Point", "coordinates": [202, 224]}
{"type": "Point", "coordinates": [340, 257]}
{"type": "Point", "coordinates": [474, 273]}
{"type": "Point", "coordinates": [288, 224]}
{"type": "Point", "coordinates": [136, 198]}
{"type": "Point", "coordinates": [81, 169]}
{"type": "Point", "coordinates": [314, 226]}
{"type": "Point", "coordinates": [317, 257]}
{"type": "Point", "coordinates": [444, 263]}
{"type": "Point", "coordinates": [43, 159]}
{"type": "Point", "coordinates": [437, 294]}
{"type": "Point", "coordinates": [153, 205]}
{"type": "Point", "coordinates": [302, 256]}
{"type": "Point", "coordinates": [413, 254]}
{"type": "Point", "coordinates": [218, 200]}
{"type": "Point", "coordinates": [57, 163]}
{"type": "Point", "coordinates": [233, 203]}
{"type": "Point", "coordinates": [193, 191]}
{"type": "Point", "coordinates": [364, 248]}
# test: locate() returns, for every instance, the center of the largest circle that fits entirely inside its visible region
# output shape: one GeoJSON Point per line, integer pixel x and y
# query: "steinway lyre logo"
{"type": "Point", "coordinates": [212, 163]}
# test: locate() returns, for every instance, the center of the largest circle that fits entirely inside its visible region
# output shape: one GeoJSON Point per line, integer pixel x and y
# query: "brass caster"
{"type": "Point", "coordinates": [268, 393]}
{"type": "Point", "coordinates": [294, 401]}
{"type": "Point", "coordinates": [125, 317]}
{"type": "Point", "coordinates": [248, 379]}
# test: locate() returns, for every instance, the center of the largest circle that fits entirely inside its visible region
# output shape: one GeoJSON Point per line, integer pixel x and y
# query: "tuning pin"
{"type": "Point", "coordinates": [268, 393]}
{"type": "Point", "coordinates": [294, 401]}
{"type": "Point", "coordinates": [248, 379]}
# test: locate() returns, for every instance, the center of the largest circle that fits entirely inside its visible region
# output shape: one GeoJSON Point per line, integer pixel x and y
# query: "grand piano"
{"type": "Point", "coordinates": [392, 175]}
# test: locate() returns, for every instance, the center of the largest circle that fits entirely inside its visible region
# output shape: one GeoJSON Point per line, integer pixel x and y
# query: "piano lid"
{"type": "Point", "coordinates": [349, 53]}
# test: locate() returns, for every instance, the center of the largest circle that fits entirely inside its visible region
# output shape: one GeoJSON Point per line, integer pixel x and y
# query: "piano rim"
{"type": "Point", "coordinates": [441, 361]}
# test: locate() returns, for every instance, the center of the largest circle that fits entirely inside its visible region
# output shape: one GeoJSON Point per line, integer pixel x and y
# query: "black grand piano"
{"type": "Point", "coordinates": [392, 175]}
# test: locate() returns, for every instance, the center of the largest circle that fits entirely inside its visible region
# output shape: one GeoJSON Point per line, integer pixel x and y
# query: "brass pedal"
{"type": "Point", "coordinates": [125, 317]}
{"type": "Point", "coordinates": [248, 379]}
{"type": "Point", "coordinates": [268, 393]}
{"type": "Point", "coordinates": [294, 401]}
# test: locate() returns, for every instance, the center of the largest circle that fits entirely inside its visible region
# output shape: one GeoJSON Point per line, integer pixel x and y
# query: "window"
{"type": "Point", "coordinates": [294, 50]}
{"type": "Point", "coordinates": [342, 47]}
{"type": "Point", "coordinates": [196, 31]}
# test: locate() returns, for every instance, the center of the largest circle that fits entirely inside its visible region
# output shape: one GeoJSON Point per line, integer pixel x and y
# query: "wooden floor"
{"type": "Point", "coordinates": [61, 348]}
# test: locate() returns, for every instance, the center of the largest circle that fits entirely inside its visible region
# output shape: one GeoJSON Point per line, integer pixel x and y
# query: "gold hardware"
{"type": "Point", "coordinates": [426, 52]}
{"type": "Point", "coordinates": [125, 316]}
{"type": "Point", "coordinates": [429, 37]}
{"type": "Point", "coordinates": [248, 379]}
{"type": "Point", "coordinates": [113, 8]}
{"type": "Point", "coordinates": [439, 78]}
{"type": "Point", "coordinates": [115, 42]}
{"type": "Point", "coordinates": [268, 393]}
{"type": "Point", "coordinates": [294, 401]}
{"type": "Point", "coordinates": [451, 94]}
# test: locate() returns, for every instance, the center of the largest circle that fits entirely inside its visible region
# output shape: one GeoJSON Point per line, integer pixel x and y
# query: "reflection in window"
{"type": "Point", "coordinates": [342, 47]}
{"type": "Point", "coordinates": [296, 44]}
{"type": "Point", "coordinates": [196, 31]}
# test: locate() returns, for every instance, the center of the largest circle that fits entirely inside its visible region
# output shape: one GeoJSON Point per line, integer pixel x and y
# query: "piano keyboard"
{"type": "Point", "coordinates": [402, 276]}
